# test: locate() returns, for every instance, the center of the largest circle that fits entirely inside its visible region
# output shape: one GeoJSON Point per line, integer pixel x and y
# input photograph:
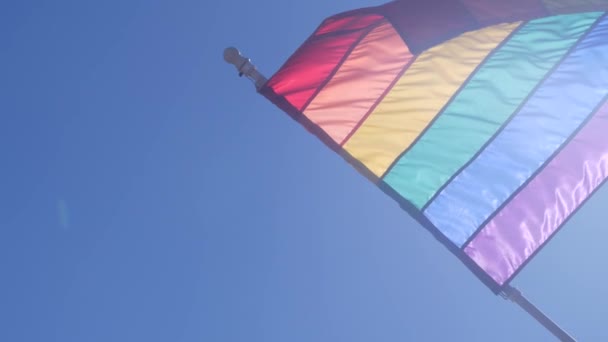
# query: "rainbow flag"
{"type": "Point", "coordinates": [485, 120]}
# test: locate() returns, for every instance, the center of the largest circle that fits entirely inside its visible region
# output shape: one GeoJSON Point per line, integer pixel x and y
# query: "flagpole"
{"type": "Point", "coordinates": [514, 295]}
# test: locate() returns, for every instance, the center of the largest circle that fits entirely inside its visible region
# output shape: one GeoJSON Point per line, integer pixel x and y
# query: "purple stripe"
{"type": "Point", "coordinates": [522, 226]}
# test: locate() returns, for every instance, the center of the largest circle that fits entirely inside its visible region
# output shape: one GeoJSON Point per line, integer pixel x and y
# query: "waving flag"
{"type": "Point", "coordinates": [486, 120]}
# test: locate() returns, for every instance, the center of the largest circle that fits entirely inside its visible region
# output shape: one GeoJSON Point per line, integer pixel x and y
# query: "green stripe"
{"type": "Point", "coordinates": [483, 105]}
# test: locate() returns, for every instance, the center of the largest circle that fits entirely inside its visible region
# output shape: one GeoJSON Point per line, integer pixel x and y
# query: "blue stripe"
{"type": "Point", "coordinates": [543, 124]}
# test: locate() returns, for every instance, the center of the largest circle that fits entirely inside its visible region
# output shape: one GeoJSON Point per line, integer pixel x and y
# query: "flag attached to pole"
{"type": "Point", "coordinates": [485, 120]}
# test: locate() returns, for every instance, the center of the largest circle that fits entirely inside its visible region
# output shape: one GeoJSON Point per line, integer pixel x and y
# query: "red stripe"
{"type": "Point", "coordinates": [309, 67]}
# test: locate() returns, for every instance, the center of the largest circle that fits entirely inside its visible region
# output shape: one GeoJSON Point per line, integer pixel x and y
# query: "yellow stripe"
{"type": "Point", "coordinates": [423, 90]}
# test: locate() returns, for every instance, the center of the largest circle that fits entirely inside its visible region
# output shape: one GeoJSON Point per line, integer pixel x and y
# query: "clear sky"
{"type": "Point", "coordinates": [149, 194]}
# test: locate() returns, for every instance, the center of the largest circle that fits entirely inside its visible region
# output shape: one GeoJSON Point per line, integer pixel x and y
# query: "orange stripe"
{"type": "Point", "coordinates": [358, 84]}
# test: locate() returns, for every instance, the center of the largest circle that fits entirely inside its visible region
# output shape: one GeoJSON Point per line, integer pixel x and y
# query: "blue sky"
{"type": "Point", "coordinates": [149, 194]}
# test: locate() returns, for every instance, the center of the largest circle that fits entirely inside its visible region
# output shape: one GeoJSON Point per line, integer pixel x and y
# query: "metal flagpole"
{"type": "Point", "coordinates": [245, 68]}
{"type": "Point", "coordinates": [514, 295]}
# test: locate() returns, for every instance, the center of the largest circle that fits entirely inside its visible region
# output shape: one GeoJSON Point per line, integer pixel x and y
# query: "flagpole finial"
{"type": "Point", "coordinates": [244, 66]}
